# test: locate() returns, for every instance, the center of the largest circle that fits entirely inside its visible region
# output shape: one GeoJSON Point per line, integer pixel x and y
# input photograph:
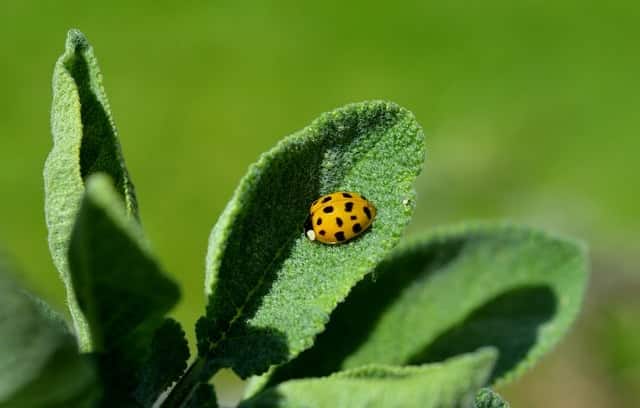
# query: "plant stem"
{"type": "Point", "coordinates": [186, 385]}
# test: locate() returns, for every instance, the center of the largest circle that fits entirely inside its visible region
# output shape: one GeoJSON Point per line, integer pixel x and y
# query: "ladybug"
{"type": "Point", "coordinates": [339, 217]}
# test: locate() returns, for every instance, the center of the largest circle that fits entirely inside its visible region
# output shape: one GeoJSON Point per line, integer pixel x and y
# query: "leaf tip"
{"type": "Point", "coordinates": [76, 40]}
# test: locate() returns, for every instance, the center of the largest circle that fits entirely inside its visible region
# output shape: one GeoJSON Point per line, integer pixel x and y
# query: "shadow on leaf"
{"type": "Point", "coordinates": [510, 322]}
{"type": "Point", "coordinates": [99, 144]}
{"type": "Point", "coordinates": [353, 321]}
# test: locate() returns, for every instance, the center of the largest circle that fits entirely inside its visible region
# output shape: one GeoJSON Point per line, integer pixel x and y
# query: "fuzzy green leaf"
{"type": "Point", "coordinates": [452, 383]}
{"type": "Point", "coordinates": [118, 281]}
{"type": "Point", "coordinates": [39, 361]}
{"type": "Point", "coordinates": [120, 287]}
{"type": "Point", "coordinates": [167, 362]}
{"type": "Point", "coordinates": [487, 398]}
{"type": "Point", "coordinates": [270, 289]}
{"type": "Point", "coordinates": [85, 141]}
{"type": "Point", "coordinates": [450, 292]}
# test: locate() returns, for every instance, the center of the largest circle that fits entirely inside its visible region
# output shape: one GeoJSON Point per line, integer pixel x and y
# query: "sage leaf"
{"type": "Point", "coordinates": [487, 398]}
{"type": "Point", "coordinates": [39, 361]}
{"type": "Point", "coordinates": [449, 292]}
{"type": "Point", "coordinates": [118, 281]}
{"type": "Point", "coordinates": [85, 141]}
{"type": "Point", "coordinates": [165, 364]}
{"type": "Point", "coordinates": [120, 287]}
{"type": "Point", "coordinates": [452, 383]}
{"type": "Point", "coordinates": [270, 289]}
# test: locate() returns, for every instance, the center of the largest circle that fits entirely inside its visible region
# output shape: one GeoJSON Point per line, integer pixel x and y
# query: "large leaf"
{"type": "Point", "coordinates": [452, 383]}
{"type": "Point", "coordinates": [450, 292]}
{"type": "Point", "coordinates": [270, 289]}
{"type": "Point", "coordinates": [85, 141]}
{"type": "Point", "coordinates": [39, 361]}
{"type": "Point", "coordinates": [120, 287]}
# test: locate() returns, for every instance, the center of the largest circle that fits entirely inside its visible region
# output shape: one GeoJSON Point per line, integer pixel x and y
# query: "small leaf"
{"type": "Point", "coordinates": [167, 362]}
{"type": "Point", "coordinates": [39, 362]}
{"type": "Point", "coordinates": [118, 281]}
{"type": "Point", "coordinates": [452, 383]}
{"type": "Point", "coordinates": [487, 398]}
{"type": "Point", "coordinates": [270, 289]}
{"type": "Point", "coordinates": [448, 293]}
{"type": "Point", "coordinates": [85, 141]}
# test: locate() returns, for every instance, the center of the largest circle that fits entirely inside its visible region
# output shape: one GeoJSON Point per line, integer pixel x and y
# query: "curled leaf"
{"type": "Point", "coordinates": [85, 141]}
{"type": "Point", "coordinates": [452, 383]}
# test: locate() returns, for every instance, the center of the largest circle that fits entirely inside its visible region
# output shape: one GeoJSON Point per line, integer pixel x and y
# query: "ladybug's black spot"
{"type": "Point", "coordinates": [363, 197]}
{"type": "Point", "coordinates": [319, 221]}
{"type": "Point", "coordinates": [348, 206]}
{"type": "Point", "coordinates": [353, 217]}
{"type": "Point", "coordinates": [368, 212]}
{"type": "Point", "coordinates": [347, 195]}
{"type": "Point", "coordinates": [339, 221]}
{"type": "Point", "coordinates": [322, 232]}
{"type": "Point", "coordinates": [314, 203]}
{"type": "Point", "coordinates": [340, 236]}
{"type": "Point", "coordinates": [328, 210]}
{"type": "Point", "coordinates": [326, 199]}
{"type": "Point", "coordinates": [357, 228]}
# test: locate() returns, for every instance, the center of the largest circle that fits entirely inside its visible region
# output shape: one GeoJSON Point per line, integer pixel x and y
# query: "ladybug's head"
{"type": "Point", "coordinates": [308, 229]}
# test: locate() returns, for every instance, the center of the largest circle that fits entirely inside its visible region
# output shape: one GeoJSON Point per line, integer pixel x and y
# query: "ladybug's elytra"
{"type": "Point", "coordinates": [338, 217]}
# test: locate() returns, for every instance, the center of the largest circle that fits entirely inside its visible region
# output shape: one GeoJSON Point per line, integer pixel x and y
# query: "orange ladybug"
{"type": "Point", "coordinates": [339, 217]}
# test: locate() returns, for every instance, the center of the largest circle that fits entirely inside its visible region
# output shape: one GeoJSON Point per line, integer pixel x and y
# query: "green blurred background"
{"type": "Point", "coordinates": [530, 110]}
